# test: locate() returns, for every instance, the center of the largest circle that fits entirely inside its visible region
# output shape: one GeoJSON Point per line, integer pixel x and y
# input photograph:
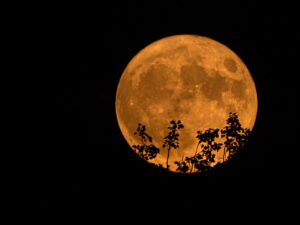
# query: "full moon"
{"type": "Point", "coordinates": [184, 77]}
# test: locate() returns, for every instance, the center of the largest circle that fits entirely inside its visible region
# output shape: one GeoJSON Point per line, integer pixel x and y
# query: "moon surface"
{"type": "Point", "coordinates": [184, 77]}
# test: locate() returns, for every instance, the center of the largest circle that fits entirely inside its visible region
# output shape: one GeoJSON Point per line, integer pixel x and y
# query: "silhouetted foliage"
{"type": "Point", "coordinates": [145, 150]}
{"type": "Point", "coordinates": [182, 166]}
{"type": "Point", "coordinates": [235, 136]}
{"type": "Point", "coordinates": [202, 161]}
{"type": "Point", "coordinates": [172, 139]}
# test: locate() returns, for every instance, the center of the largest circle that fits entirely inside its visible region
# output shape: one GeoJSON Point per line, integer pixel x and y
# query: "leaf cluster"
{"type": "Point", "coordinates": [146, 149]}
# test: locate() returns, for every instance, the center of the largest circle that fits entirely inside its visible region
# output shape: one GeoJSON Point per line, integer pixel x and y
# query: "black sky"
{"type": "Point", "coordinates": [81, 161]}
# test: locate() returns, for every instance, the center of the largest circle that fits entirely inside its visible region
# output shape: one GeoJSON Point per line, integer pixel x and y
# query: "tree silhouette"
{"type": "Point", "coordinates": [202, 161]}
{"type": "Point", "coordinates": [145, 150]}
{"type": "Point", "coordinates": [172, 139]}
{"type": "Point", "coordinates": [182, 166]}
{"type": "Point", "coordinates": [235, 136]}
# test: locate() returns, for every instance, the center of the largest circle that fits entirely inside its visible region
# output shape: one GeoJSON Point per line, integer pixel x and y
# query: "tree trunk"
{"type": "Point", "coordinates": [168, 158]}
{"type": "Point", "coordinates": [224, 153]}
{"type": "Point", "coordinates": [194, 156]}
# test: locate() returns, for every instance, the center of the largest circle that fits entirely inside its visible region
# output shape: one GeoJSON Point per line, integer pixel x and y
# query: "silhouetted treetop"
{"type": "Point", "coordinates": [172, 139]}
{"type": "Point", "coordinates": [201, 161]}
{"type": "Point", "coordinates": [145, 150]}
{"type": "Point", "coordinates": [235, 136]}
{"type": "Point", "coordinates": [141, 131]}
{"type": "Point", "coordinates": [232, 137]}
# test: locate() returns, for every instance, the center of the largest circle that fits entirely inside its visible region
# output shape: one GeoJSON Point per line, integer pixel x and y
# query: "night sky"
{"type": "Point", "coordinates": [81, 161]}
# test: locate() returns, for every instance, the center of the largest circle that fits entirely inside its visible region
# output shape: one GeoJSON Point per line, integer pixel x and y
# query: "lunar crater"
{"type": "Point", "coordinates": [230, 65]}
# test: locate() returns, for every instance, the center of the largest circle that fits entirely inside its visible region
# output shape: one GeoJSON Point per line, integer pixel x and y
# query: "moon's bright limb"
{"type": "Point", "coordinates": [184, 77]}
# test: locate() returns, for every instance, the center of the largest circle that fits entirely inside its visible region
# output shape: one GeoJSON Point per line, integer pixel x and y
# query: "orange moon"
{"type": "Point", "coordinates": [184, 77]}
